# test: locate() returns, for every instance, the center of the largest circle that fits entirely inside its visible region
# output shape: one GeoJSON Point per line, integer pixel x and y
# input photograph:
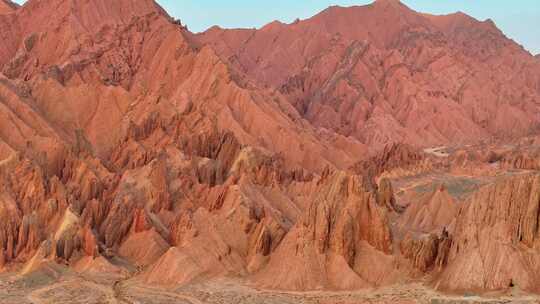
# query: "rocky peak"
{"type": "Point", "coordinates": [394, 8]}
{"type": "Point", "coordinates": [388, 3]}
{"type": "Point", "coordinates": [391, 157]}
{"type": "Point", "coordinates": [499, 222]}
{"type": "Point", "coordinates": [342, 221]}
{"type": "Point", "coordinates": [90, 14]}
{"type": "Point", "coordinates": [6, 6]}
{"type": "Point", "coordinates": [59, 42]}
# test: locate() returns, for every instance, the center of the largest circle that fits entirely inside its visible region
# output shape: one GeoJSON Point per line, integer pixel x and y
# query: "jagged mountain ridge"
{"type": "Point", "coordinates": [385, 73]}
{"type": "Point", "coordinates": [114, 61]}
{"type": "Point", "coordinates": [133, 99]}
{"type": "Point", "coordinates": [140, 132]}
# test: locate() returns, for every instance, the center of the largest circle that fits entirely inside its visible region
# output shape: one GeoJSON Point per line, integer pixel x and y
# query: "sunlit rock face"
{"type": "Point", "coordinates": [364, 147]}
{"type": "Point", "coordinates": [384, 73]}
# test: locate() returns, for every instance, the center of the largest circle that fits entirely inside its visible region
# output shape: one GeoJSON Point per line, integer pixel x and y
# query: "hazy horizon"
{"type": "Point", "coordinates": [518, 22]}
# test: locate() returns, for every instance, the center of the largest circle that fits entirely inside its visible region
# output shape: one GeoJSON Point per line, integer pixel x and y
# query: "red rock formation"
{"type": "Point", "coordinates": [6, 7]}
{"type": "Point", "coordinates": [428, 252]}
{"type": "Point", "coordinates": [421, 79]}
{"type": "Point", "coordinates": [123, 135]}
{"type": "Point", "coordinates": [528, 160]}
{"type": "Point", "coordinates": [326, 248]}
{"type": "Point", "coordinates": [105, 154]}
{"type": "Point", "coordinates": [396, 156]}
{"type": "Point", "coordinates": [434, 212]}
{"type": "Point", "coordinates": [495, 238]}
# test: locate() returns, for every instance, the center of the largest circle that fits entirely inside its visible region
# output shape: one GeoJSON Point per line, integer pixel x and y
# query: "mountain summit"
{"type": "Point", "coordinates": [6, 6]}
{"type": "Point", "coordinates": [393, 3]}
{"type": "Point", "coordinates": [384, 73]}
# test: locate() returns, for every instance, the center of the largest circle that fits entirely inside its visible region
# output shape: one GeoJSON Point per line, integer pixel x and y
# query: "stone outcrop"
{"type": "Point", "coordinates": [392, 157]}
{"type": "Point", "coordinates": [427, 252]}
{"type": "Point", "coordinates": [495, 239]}
{"type": "Point", "coordinates": [528, 160]}
{"type": "Point", "coordinates": [325, 248]}
{"type": "Point", "coordinates": [385, 195]}
{"type": "Point", "coordinates": [432, 212]}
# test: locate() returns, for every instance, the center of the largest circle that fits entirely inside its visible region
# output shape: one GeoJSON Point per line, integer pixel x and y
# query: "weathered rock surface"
{"type": "Point", "coordinates": [392, 157]}
{"type": "Point", "coordinates": [528, 159]}
{"type": "Point", "coordinates": [333, 242]}
{"type": "Point", "coordinates": [421, 79]}
{"type": "Point", "coordinates": [427, 252]}
{"type": "Point", "coordinates": [433, 212]}
{"type": "Point", "coordinates": [495, 239]}
{"type": "Point", "coordinates": [128, 143]}
{"type": "Point", "coordinates": [6, 6]}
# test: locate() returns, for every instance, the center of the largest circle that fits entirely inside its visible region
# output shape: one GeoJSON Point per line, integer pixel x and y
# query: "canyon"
{"type": "Point", "coordinates": [367, 154]}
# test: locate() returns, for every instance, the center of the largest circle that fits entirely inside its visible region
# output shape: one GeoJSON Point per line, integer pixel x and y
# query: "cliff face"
{"type": "Point", "coordinates": [392, 157]}
{"type": "Point", "coordinates": [529, 160]}
{"type": "Point", "coordinates": [494, 245]}
{"type": "Point", "coordinates": [490, 244]}
{"type": "Point", "coordinates": [334, 241]}
{"type": "Point", "coordinates": [433, 212]}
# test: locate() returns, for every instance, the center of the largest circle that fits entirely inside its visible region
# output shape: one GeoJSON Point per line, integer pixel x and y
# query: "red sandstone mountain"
{"type": "Point", "coordinates": [254, 154]}
{"type": "Point", "coordinates": [384, 73]}
{"type": "Point", "coordinates": [6, 6]}
{"type": "Point", "coordinates": [133, 99]}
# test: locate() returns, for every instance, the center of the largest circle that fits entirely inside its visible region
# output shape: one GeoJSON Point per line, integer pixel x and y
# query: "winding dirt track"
{"type": "Point", "coordinates": [114, 295]}
{"type": "Point", "coordinates": [125, 291]}
{"type": "Point", "coordinates": [123, 296]}
{"type": "Point", "coordinates": [39, 297]}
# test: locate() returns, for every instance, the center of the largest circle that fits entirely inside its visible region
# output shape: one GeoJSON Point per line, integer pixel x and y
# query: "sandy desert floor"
{"type": "Point", "coordinates": [71, 288]}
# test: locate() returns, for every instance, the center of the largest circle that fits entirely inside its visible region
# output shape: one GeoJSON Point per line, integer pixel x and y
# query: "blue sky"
{"type": "Point", "coordinates": [519, 19]}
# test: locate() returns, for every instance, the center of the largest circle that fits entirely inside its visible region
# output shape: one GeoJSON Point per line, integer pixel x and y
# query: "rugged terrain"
{"type": "Point", "coordinates": [332, 160]}
{"type": "Point", "coordinates": [383, 73]}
